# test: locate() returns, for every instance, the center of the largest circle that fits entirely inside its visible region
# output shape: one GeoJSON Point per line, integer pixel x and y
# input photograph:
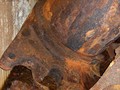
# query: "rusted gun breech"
{"type": "Point", "coordinates": [61, 40]}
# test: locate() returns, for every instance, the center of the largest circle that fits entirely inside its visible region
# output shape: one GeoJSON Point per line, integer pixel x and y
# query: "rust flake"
{"type": "Point", "coordinates": [47, 9]}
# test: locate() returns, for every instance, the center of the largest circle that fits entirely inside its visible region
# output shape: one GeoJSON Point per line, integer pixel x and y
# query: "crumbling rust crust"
{"type": "Point", "coordinates": [53, 39]}
{"type": "Point", "coordinates": [108, 30]}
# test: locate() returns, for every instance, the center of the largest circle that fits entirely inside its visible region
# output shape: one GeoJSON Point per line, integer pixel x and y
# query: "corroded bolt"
{"type": "Point", "coordinates": [53, 79]}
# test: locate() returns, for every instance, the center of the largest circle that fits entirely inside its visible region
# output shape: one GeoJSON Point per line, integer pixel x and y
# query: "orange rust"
{"type": "Point", "coordinates": [78, 65]}
{"type": "Point", "coordinates": [56, 31]}
{"type": "Point", "coordinates": [105, 28]}
{"type": "Point", "coordinates": [111, 16]}
{"type": "Point", "coordinates": [46, 9]}
{"type": "Point", "coordinates": [89, 34]}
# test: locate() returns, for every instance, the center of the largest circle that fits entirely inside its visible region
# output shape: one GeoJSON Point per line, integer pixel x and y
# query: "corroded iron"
{"type": "Point", "coordinates": [62, 40]}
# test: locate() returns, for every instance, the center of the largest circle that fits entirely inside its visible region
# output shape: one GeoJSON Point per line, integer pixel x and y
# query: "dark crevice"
{"type": "Point", "coordinates": [107, 57]}
{"type": "Point", "coordinates": [19, 75]}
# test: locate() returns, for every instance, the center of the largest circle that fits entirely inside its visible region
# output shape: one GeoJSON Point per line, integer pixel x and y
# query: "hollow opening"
{"type": "Point", "coordinates": [109, 55]}
{"type": "Point", "coordinates": [20, 78]}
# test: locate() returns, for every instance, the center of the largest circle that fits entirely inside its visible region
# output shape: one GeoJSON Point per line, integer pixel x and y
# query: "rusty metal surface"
{"type": "Point", "coordinates": [61, 42]}
{"type": "Point", "coordinates": [86, 26]}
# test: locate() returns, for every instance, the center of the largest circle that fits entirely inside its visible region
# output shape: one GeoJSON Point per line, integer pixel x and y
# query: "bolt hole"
{"type": "Point", "coordinates": [11, 55]}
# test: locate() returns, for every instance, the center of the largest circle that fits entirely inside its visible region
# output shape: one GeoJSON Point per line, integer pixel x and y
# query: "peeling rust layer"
{"type": "Point", "coordinates": [61, 41]}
